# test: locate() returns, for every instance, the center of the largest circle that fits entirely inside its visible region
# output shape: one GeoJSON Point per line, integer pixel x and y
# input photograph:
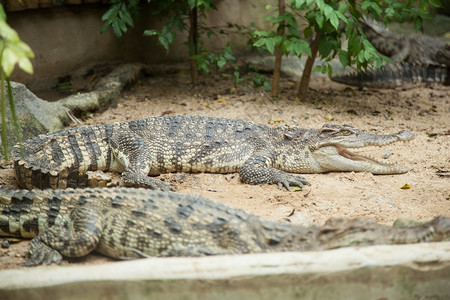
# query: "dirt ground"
{"type": "Point", "coordinates": [423, 110]}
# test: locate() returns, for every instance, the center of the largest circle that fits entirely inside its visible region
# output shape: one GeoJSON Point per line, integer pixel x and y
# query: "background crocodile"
{"type": "Point", "coordinates": [135, 223]}
{"type": "Point", "coordinates": [416, 59]}
{"type": "Point", "coordinates": [196, 144]}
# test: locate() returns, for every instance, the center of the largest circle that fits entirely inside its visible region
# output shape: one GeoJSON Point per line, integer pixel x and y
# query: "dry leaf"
{"type": "Point", "coordinates": [405, 186]}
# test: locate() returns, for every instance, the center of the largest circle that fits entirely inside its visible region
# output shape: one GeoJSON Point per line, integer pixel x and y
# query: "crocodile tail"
{"type": "Point", "coordinates": [61, 159]}
{"type": "Point", "coordinates": [396, 75]}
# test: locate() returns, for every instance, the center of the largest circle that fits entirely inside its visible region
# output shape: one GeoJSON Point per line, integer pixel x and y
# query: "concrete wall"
{"type": "Point", "coordinates": [68, 38]}
{"type": "Point", "coordinates": [400, 272]}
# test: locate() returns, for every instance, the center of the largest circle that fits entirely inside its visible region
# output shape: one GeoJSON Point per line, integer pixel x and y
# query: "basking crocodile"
{"type": "Point", "coordinates": [135, 223]}
{"type": "Point", "coordinates": [404, 75]}
{"type": "Point", "coordinates": [159, 145]}
{"type": "Point", "coordinates": [416, 59]}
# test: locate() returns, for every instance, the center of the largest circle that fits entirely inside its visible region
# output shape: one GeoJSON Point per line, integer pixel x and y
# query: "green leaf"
{"type": "Point", "coordinates": [25, 65]}
{"type": "Point", "coordinates": [343, 58]}
{"type": "Point", "coordinates": [320, 4]}
{"type": "Point", "coordinates": [105, 27]}
{"type": "Point", "coordinates": [360, 56]}
{"type": "Point", "coordinates": [164, 42]}
{"type": "Point", "coordinates": [325, 47]}
{"type": "Point", "coordinates": [126, 17]}
{"type": "Point", "coordinates": [341, 16]}
{"type": "Point", "coordinates": [259, 42]}
{"type": "Point", "coordinates": [319, 20]}
{"type": "Point", "coordinates": [221, 62]}
{"type": "Point", "coordinates": [116, 29]}
{"type": "Point", "coordinates": [122, 25]}
{"type": "Point", "coordinates": [2, 13]}
{"type": "Point", "coordinates": [334, 20]}
{"type": "Point", "coordinates": [111, 13]}
{"type": "Point", "coordinates": [317, 69]}
{"type": "Point", "coordinates": [298, 3]}
{"type": "Point", "coordinates": [328, 11]}
{"type": "Point", "coordinates": [418, 25]}
{"type": "Point", "coordinates": [302, 47]}
{"type": "Point", "coordinates": [16, 52]}
{"type": "Point", "coordinates": [342, 8]}
{"type": "Point", "coordinates": [308, 32]}
{"type": "Point", "coordinates": [376, 9]}
{"type": "Point", "coordinates": [436, 3]}
{"type": "Point", "coordinates": [365, 4]}
{"type": "Point", "coordinates": [151, 32]}
{"type": "Point", "coordinates": [260, 33]}
{"type": "Point", "coordinates": [270, 45]}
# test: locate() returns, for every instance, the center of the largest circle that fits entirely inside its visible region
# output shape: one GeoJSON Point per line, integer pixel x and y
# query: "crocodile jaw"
{"type": "Point", "coordinates": [337, 158]}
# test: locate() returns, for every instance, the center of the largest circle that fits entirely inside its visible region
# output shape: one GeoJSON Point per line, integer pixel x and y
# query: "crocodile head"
{"type": "Point", "coordinates": [330, 150]}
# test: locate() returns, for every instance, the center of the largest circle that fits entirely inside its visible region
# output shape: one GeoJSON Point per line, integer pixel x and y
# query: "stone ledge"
{"type": "Point", "coordinates": [379, 272]}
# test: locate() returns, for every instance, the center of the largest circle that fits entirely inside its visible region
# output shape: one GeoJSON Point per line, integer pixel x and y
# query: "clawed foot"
{"type": "Point", "coordinates": [136, 180]}
{"type": "Point", "coordinates": [286, 180]}
{"type": "Point", "coordinates": [41, 254]}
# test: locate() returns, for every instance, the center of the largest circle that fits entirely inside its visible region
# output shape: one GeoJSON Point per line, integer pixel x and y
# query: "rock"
{"type": "Point", "coordinates": [37, 116]}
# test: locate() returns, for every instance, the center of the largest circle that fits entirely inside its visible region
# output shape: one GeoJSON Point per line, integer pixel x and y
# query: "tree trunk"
{"type": "Point", "coordinates": [193, 48]}
{"type": "Point", "coordinates": [278, 55]}
{"type": "Point", "coordinates": [306, 76]}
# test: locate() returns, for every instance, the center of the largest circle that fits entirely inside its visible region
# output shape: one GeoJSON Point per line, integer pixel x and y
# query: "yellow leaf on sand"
{"type": "Point", "coordinates": [405, 186]}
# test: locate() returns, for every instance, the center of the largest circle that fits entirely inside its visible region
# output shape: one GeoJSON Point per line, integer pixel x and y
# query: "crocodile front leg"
{"type": "Point", "coordinates": [257, 170]}
{"type": "Point", "coordinates": [133, 153]}
{"type": "Point", "coordinates": [75, 240]}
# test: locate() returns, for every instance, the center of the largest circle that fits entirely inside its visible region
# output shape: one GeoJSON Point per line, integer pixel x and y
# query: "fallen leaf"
{"type": "Point", "coordinates": [167, 112]}
{"type": "Point", "coordinates": [329, 117]}
{"type": "Point", "coordinates": [222, 100]}
{"type": "Point", "coordinates": [406, 187]}
{"type": "Point", "coordinates": [296, 189]}
{"type": "Point", "coordinates": [276, 121]}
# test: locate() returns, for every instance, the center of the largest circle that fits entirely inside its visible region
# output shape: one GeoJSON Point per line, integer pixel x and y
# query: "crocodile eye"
{"type": "Point", "coordinates": [345, 132]}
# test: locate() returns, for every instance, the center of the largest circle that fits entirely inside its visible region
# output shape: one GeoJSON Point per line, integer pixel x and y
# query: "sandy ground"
{"type": "Point", "coordinates": [423, 110]}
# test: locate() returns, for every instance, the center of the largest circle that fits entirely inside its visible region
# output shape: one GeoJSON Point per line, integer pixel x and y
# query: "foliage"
{"type": "Point", "coordinates": [336, 22]}
{"type": "Point", "coordinates": [12, 51]}
{"type": "Point", "coordinates": [178, 17]}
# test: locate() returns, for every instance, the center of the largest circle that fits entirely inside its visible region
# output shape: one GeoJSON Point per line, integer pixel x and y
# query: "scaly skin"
{"type": "Point", "coordinates": [400, 75]}
{"type": "Point", "coordinates": [416, 59]}
{"type": "Point", "coordinates": [134, 223]}
{"type": "Point", "coordinates": [159, 145]}
{"type": "Point", "coordinates": [413, 49]}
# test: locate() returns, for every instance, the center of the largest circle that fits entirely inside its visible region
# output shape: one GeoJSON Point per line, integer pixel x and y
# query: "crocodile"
{"type": "Point", "coordinates": [416, 59]}
{"type": "Point", "coordinates": [399, 75]}
{"type": "Point", "coordinates": [156, 145]}
{"type": "Point", "coordinates": [131, 223]}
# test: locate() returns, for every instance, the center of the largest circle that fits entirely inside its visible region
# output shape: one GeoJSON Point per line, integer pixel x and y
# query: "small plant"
{"type": "Point", "coordinates": [180, 16]}
{"type": "Point", "coordinates": [328, 24]}
{"type": "Point", "coordinates": [12, 51]}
